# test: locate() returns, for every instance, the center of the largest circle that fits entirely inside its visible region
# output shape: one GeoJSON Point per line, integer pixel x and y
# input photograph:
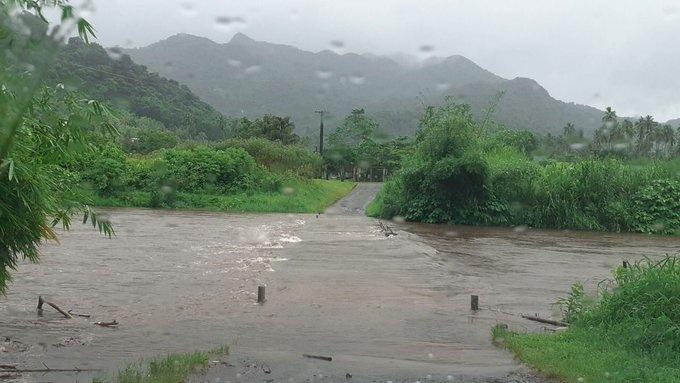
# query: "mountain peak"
{"type": "Point", "coordinates": [241, 38]}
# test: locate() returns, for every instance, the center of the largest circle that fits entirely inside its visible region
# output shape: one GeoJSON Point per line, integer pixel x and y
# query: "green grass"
{"type": "Point", "coordinates": [299, 196]}
{"type": "Point", "coordinates": [580, 355]}
{"type": "Point", "coordinates": [171, 369]}
{"type": "Point", "coordinates": [632, 334]}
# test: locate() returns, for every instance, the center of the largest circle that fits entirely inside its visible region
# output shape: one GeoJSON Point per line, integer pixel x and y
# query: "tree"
{"type": "Point", "coordinates": [41, 129]}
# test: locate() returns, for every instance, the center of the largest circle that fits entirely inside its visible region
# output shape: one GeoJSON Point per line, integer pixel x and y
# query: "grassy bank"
{"type": "Point", "coordinates": [297, 196]}
{"type": "Point", "coordinates": [171, 369]}
{"type": "Point", "coordinates": [632, 334]}
{"type": "Point", "coordinates": [464, 173]}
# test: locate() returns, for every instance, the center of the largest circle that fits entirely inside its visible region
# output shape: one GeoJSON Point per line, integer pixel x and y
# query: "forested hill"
{"type": "Point", "coordinates": [114, 78]}
{"type": "Point", "coordinates": [248, 77]}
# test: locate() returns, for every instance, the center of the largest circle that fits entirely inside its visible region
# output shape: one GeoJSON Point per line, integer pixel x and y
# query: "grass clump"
{"type": "Point", "coordinates": [171, 369]}
{"type": "Point", "coordinates": [631, 334]}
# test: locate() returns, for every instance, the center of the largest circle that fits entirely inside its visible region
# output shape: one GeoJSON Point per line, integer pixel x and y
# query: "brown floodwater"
{"type": "Point", "coordinates": [384, 308]}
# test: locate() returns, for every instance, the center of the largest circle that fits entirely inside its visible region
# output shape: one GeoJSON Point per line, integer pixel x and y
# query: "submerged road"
{"type": "Point", "coordinates": [385, 309]}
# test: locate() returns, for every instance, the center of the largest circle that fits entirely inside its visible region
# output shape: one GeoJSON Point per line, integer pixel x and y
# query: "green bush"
{"type": "Point", "coordinates": [656, 207]}
{"type": "Point", "coordinates": [104, 171]}
{"type": "Point", "coordinates": [278, 157]}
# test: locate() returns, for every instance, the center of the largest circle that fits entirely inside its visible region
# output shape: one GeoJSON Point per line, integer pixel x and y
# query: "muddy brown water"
{"type": "Point", "coordinates": [392, 308]}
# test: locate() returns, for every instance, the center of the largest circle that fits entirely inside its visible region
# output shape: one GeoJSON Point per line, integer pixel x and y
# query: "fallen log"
{"type": "Point", "coordinates": [546, 321]}
{"type": "Point", "coordinates": [41, 301]}
{"type": "Point", "coordinates": [107, 324]}
{"type": "Point", "coordinates": [326, 358]}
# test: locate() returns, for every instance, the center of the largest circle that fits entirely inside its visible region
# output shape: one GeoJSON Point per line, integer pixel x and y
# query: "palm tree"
{"type": "Point", "coordinates": [569, 130]}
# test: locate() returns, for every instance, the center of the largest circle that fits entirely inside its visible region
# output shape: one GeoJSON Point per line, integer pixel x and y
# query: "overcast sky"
{"type": "Point", "coordinates": [623, 53]}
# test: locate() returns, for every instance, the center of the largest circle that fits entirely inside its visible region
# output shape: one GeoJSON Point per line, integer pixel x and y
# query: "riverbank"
{"type": "Point", "coordinates": [297, 196]}
{"type": "Point", "coordinates": [628, 333]}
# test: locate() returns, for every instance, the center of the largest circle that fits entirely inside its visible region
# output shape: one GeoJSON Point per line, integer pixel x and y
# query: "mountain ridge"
{"type": "Point", "coordinates": [249, 77]}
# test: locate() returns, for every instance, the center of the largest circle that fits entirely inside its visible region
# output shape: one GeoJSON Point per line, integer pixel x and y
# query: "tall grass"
{"type": "Point", "coordinates": [632, 334]}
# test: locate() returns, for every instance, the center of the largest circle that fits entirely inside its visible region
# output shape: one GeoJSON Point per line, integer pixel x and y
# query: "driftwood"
{"type": "Point", "coordinates": [107, 324]}
{"type": "Point", "coordinates": [79, 315]}
{"type": "Point", "coordinates": [546, 321]}
{"type": "Point", "coordinates": [326, 358]}
{"type": "Point", "coordinates": [62, 312]}
{"type": "Point", "coordinates": [386, 229]}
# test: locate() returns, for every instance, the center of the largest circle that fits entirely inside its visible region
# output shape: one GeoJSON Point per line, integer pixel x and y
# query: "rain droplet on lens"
{"type": "Point", "coordinates": [234, 63]}
{"type": "Point", "coordinates": [187, 9]}
{"type": "Point", "coordinates": [253, 69]}
{"type": "Point", "coordinates": [226, 22]}
{"type": "Point", "coordinates": [426, 48]}
{"type": "Point", "coordinates": [115, 53]}
{"type": "Point", "coordinates": [577, 146]}
{"type": "Point", "coordinates": [357, 80]}
{"type": "Point", "coordinates": [443, 86]}
{"type": "Point", "coordinates": [324, 75]}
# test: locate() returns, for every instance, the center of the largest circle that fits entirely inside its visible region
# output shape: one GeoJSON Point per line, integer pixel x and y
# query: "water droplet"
{"type": "Point", "coordinates": [234, 63]}
{"type": "Point", "coordinates": [620, 147]}
{"type": "Point", "coordinates": [115, 53]}
{"type": "Point", "coordinates": [288, 190]}
{"type": "Point", "coordinates": [398, 219]}
{"type": "Point", "coordinates": [253, 69]}
{"type": "Point", "coordinates": [426, 48]}
{"type": "Point", "coordinates": [430, 355]}
{"type": "Point", "coordinates": [324, 74]}
{"type": "Point", "coordinates": [520, 228]}
{"type": "Point", "coordinates": [225, 22]}
{"type": "Point", "coordinates": [577, 146]}
{"type": "Point", "coordinates": [671, 12]}
{"type": "Point", "coordinates": [357, 80]}
{"type": "Point", "coordinates": [449, 378]}
{"type": "Point", "coordinates": [187, 9]}
{"type": "Point", "coordinates": [443, 86]}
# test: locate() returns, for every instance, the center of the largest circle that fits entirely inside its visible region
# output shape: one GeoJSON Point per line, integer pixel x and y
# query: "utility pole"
{"type": "Point", "coordinates": [320, 113]}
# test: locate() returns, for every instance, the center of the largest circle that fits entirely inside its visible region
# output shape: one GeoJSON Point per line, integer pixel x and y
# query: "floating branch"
{"type": "Point", "coordinates": [107, 324]}
{"type": "Point", "coordinates": [79, 315]}
{"type": "Point", "coordinates": [546, 321]}
{"type": "Point", "coordinates": [326, 358]}
{"type": "Point", "coordinates": [40, 304]}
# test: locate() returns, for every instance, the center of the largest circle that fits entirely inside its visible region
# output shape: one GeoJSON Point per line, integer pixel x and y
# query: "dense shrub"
{"type": "Point", "coordinates": [104, 171]}
{"type": "Point", "coordinates": [642, 310]}
{"type": "Point", "coordinates": [463, 174]}
{"type": "Point", "coordinates": [656, 207]}
{"type": "Point", "coordinates": [278, 157]}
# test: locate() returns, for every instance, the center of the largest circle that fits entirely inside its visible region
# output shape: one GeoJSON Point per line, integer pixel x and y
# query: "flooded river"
{"type": "Point", "coordinates": [392, 308]}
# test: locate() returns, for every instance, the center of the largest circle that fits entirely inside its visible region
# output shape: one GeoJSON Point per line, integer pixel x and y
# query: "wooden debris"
{"type": "Point", "coordinates": [41, 301]}
{"type": "Point", "coordinates": [326, 358]}
{"type": "Point", "coordinates": [112, 323]}
{"type": "Point", "coordinates": [79, 315]}
{"type": "Point", "coordinates": [386, 229]}
{"type": "Point", "coordinates": [546, 321]}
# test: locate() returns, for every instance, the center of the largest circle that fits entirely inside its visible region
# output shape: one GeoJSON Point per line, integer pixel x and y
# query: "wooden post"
{"type": "Point", "coordinates": [474, 302]}
{"type": "Point", "coordinates": [260, 294]}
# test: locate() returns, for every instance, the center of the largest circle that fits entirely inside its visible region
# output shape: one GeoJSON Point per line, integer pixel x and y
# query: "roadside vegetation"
{"type": "Point", "coordinates": [171, 369]}
{"type": "Point", "coordinates": [631, 333]}
{"type": "Point", "coordinates": [466, 172]}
